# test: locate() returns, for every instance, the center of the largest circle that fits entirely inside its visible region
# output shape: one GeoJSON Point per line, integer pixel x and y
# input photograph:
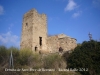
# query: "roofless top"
{"type": "Point", "coordinates": [33, 11]}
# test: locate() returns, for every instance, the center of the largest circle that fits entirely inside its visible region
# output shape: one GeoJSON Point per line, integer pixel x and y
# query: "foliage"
{"type": "Point", "coordinates": [27, 59]}
{"type": "Point", "coordinates": [86, 55]}
{"type": "Point", "coordinates": [23, 56]}
{"type": "Point", "coordinates": [54, 61]}
{"type": "Point", "coordinates": [3, 54]}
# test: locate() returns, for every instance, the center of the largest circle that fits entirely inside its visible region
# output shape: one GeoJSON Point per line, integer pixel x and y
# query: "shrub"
{"type": "Point", "coordinates": [3, 55]}
{"type": "Point", "coordinates": [54, 61]}
{"type": "Point", "coordinates": [27, 59]}
{"type": "Point", "coordinates": [86, 55]}
{"type": "Point", "coordinates": [23, 56]}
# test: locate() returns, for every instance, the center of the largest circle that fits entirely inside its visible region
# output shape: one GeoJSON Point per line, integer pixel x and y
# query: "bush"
{"type": "Point", "coordinates": [23, 56]}
{"type": "Point", "coordinates": [27, 59]}
{"type": "Point", "coordinates": [3, 55]}
{"type": "Point", "coordinates": [54, 61]}
{"type": "Point", "coordinates": [86, 55]}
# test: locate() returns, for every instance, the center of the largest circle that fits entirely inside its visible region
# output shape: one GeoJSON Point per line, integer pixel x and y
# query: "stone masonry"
{"type": "Point", "coordinates": [34, 35]}
{"type": "Point", "coordinates": [55, 42]}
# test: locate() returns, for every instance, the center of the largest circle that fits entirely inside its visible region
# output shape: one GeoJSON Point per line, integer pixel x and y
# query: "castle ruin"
{"type": "Point", "coordinates": [35, 37]}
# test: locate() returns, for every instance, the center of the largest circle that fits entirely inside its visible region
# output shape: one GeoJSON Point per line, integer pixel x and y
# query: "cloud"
{"type": "Point", "coordinates": [96, 3]}
{"type": "Point", "coordinates": [1, 10]}
{"type": "Point", "coordinates": [70, 6]}
{"type": "Point", "coordinates": [76, 14]}
{"type": "Point", "coordinates": [9, 39]}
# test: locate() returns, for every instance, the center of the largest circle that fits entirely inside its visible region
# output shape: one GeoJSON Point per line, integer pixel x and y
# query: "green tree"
{"type": "Point", "coordinates": [86, 55]}
{"type": "Point", "coordinates": [3, 55]}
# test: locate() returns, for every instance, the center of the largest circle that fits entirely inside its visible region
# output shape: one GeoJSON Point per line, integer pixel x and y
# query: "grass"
{"type": "Point", "coordinates": [27, 59]}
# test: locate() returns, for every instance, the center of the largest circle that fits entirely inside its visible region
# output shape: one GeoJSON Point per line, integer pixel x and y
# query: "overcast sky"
{"type": "Point", "coordinates": [75, 18]}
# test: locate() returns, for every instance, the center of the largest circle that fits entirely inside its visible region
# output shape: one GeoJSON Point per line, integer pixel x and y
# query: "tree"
{"type": "Point", "coordinates": [86, 55]}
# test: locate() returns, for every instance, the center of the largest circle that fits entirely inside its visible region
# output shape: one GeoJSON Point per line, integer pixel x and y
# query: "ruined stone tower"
{"type": "Point", "coordinates": [34, 35]}
{"type": "Point", "coordinates": [34, 31]}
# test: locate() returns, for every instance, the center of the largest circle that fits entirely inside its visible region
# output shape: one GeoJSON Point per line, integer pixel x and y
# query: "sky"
{"type": "Point", "coordinates": [75, 18]}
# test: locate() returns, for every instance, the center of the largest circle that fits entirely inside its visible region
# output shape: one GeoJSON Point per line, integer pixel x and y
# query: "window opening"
{"type": "Point", "coordinates": [35, 49]}
{"type": "Point", "coordinates": [26, 24]}
{"type": "Point", "coordinates": [40, 41]}
{"type": "Point", "coordinates": [60, 49]}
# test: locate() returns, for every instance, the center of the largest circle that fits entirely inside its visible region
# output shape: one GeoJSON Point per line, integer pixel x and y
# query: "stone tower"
{"type": "Point", "coordinates": [34, 31]}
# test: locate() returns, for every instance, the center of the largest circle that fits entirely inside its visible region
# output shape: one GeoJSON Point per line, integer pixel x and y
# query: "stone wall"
{"type": "Point", "coordinates": [27, 29]}
{"type": "Point", "coordinates": [39, 31]}
{"type": "Point", "coordinates": [34, 26]}
{"type": "Point", "coordinates": [65, 42]}
{"type": "Point", "coordinates": [34, 35]}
